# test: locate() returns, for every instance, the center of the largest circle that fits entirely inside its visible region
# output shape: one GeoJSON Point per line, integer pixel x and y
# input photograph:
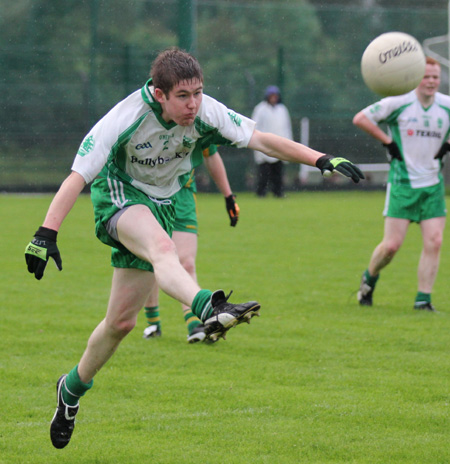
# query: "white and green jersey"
{"type": "Point", "coordinates": [419, 133]}
{"type": "Point", "coordinates": [132, 143]}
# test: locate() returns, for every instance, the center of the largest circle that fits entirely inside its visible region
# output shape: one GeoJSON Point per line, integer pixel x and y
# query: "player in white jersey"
{"type": "Point", "coordinates": [140, 155]}
{"type": "Point", "coordinates": [418, 128]}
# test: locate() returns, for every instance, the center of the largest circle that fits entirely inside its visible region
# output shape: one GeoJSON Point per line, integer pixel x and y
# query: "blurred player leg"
{"type": "Point", "coordinates": [432, 233]}
{"type": "Point", "coordinates": [394, 234]}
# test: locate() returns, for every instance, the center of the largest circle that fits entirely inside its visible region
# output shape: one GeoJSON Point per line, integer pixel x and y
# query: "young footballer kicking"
{"type": "Point", "coordinates": [139, 156]}
{"type": "Point", "coordinates": [184, 236]}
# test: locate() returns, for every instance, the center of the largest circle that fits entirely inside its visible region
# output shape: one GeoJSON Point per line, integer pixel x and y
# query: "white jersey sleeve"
{"type": "Point", "coordinates": [381, 110]}
{"type": "Point", "coordinates": [99, 142]}
{"type": "Point", "coordinates": [235, 128]}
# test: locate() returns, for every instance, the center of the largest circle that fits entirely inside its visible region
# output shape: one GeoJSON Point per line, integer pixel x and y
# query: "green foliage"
{"type": "Point", "coordinates": [316, 379]}
{"type": "Point", "coordinates": [244, 49]}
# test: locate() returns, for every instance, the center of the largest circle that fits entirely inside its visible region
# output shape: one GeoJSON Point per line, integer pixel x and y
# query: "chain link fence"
{"type": "Point", "coordinates": [53, 90]}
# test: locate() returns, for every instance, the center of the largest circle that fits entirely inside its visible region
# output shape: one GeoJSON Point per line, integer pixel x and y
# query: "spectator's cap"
{"type": "Point", "coordinates": [272, 89]}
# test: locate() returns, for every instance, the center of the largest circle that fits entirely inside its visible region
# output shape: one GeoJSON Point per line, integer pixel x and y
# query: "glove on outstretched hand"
{"type": "Point", "coordinates": [40, 249]}
{"type": "Point", "coordinates": [232, 209]}
{"type": "Point", "coordinates": [443, 151]}
{"type": "Point", "coordinates": [327, 163]}
{"type": "Point", "coordinates": [392, 151]}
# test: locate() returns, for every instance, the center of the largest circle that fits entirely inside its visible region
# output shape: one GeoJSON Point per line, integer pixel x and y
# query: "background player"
{"type": "Point", "coordinates": [185, 238]}
{"type": "Point", "coordinates": [418, 127]}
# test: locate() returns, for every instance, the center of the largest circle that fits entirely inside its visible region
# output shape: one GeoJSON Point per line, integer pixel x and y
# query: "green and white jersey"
{"type": "Point", "coordinates": [419, 133]}
{"type": "Point", "coordinates": [132, 143]}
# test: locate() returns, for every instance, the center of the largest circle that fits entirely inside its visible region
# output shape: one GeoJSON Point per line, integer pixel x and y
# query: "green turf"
{"type": "Point", "coordinates": [316, 379]}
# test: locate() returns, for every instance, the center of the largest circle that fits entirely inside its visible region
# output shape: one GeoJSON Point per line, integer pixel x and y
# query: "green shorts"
{"type": "Point", "coordinates": [186, 210]}
{"type": "Point", "coordinates": [417, 205]}
{"type": "Point", "coordinates": [110, 196]}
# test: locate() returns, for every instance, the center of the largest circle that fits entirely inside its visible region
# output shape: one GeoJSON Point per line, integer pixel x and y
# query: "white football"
{"type": "Point", "coordinates": [393, 64]}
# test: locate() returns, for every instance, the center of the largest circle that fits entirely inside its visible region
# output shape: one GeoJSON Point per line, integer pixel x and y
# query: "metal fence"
{"type": "Point", "coordinates": [52, 92]}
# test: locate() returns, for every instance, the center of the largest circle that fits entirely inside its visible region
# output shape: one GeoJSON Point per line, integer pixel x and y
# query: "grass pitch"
{"type": "Point", "coordinates": [316, 379]}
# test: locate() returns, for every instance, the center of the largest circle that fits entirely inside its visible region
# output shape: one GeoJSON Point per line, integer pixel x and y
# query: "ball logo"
{"type": "Point", "coordinates": [393, 64]}
{"type": "Point", "coordinates": [410, 132]}
{"type": "Point", "coordinates": [404, 47]}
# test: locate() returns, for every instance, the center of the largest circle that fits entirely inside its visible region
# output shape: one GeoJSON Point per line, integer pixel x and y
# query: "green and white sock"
{"type": "Point", "coordinates": [152, 316]}
{"type": "Point", "coordinates": [192, 321]}
{"type": "Point", "coordinates": [423, 298]}
{"type": "Point", "coordinates": [371, 280]}
{"type": "Point", "coordinates": [201, 306]}
{"type": "Point", "coordinates": [73, 388]}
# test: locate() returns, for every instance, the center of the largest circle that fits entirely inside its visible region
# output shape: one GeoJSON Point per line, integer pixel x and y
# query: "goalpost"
{"type": "Point", "coordinates": [439, 48]}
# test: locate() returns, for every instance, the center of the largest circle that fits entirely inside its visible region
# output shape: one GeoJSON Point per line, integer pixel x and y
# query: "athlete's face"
{"type": "Point", "coordinates": [182, 103]}
{"type": "Point", "coordinates": [430, 82]}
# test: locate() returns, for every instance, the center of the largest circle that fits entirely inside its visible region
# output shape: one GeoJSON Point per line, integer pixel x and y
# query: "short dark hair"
{"type": "Point", "coordinates": [172, 66]}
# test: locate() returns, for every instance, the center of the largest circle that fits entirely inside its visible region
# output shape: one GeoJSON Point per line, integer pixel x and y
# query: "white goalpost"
{"type": "Point", "coordinates": [439, 49]}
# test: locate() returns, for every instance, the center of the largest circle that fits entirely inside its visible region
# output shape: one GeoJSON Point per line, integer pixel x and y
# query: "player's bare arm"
{"type": "Point", "coordinates": [283, 149]}
{"type": "Point", "coordinates": [364, 123]}
{"type": "Point", "coordinates": [43, 246]}
{"type": "Point", "coordinates": [288, 150]}
{"type": "Point", "coordinates": [64, 200]}
{"type": "Point", "coordinates": [217, 171]}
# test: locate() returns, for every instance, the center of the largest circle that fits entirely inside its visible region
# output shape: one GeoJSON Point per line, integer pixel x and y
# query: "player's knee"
{"type": "Point", "coordinates": [435, 242]}
{"type": "Point", "coordinates": [163, 249]}
{"type": "Point", "coordinates": [121, 327]}
{"type": "Point", "coordinates": [125, 327]}
{"type": "Point", "coordinates": [167, 247]}
{"type": "Point", "coordinates": [391, 248]}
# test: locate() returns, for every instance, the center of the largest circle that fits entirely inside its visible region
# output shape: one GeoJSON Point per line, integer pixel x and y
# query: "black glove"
{"type": "Point", "coordinates": [327, 164]}
{"type": "Point", "coordinates": [443, 151]}
{"type": "Point", "coordinates": [40, 249]}
{"type": "Point", "coordinates": [232, 209]}
{"type": "Point", "coordinates": [392, 151]}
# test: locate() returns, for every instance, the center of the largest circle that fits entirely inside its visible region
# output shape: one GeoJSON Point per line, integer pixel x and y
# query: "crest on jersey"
{"type": "Point", "coordinates": [187, 142]}
{"type": "Point", "coordinates": [86, 146]}
{"type": "Point", "coordinates": [235, 118]}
